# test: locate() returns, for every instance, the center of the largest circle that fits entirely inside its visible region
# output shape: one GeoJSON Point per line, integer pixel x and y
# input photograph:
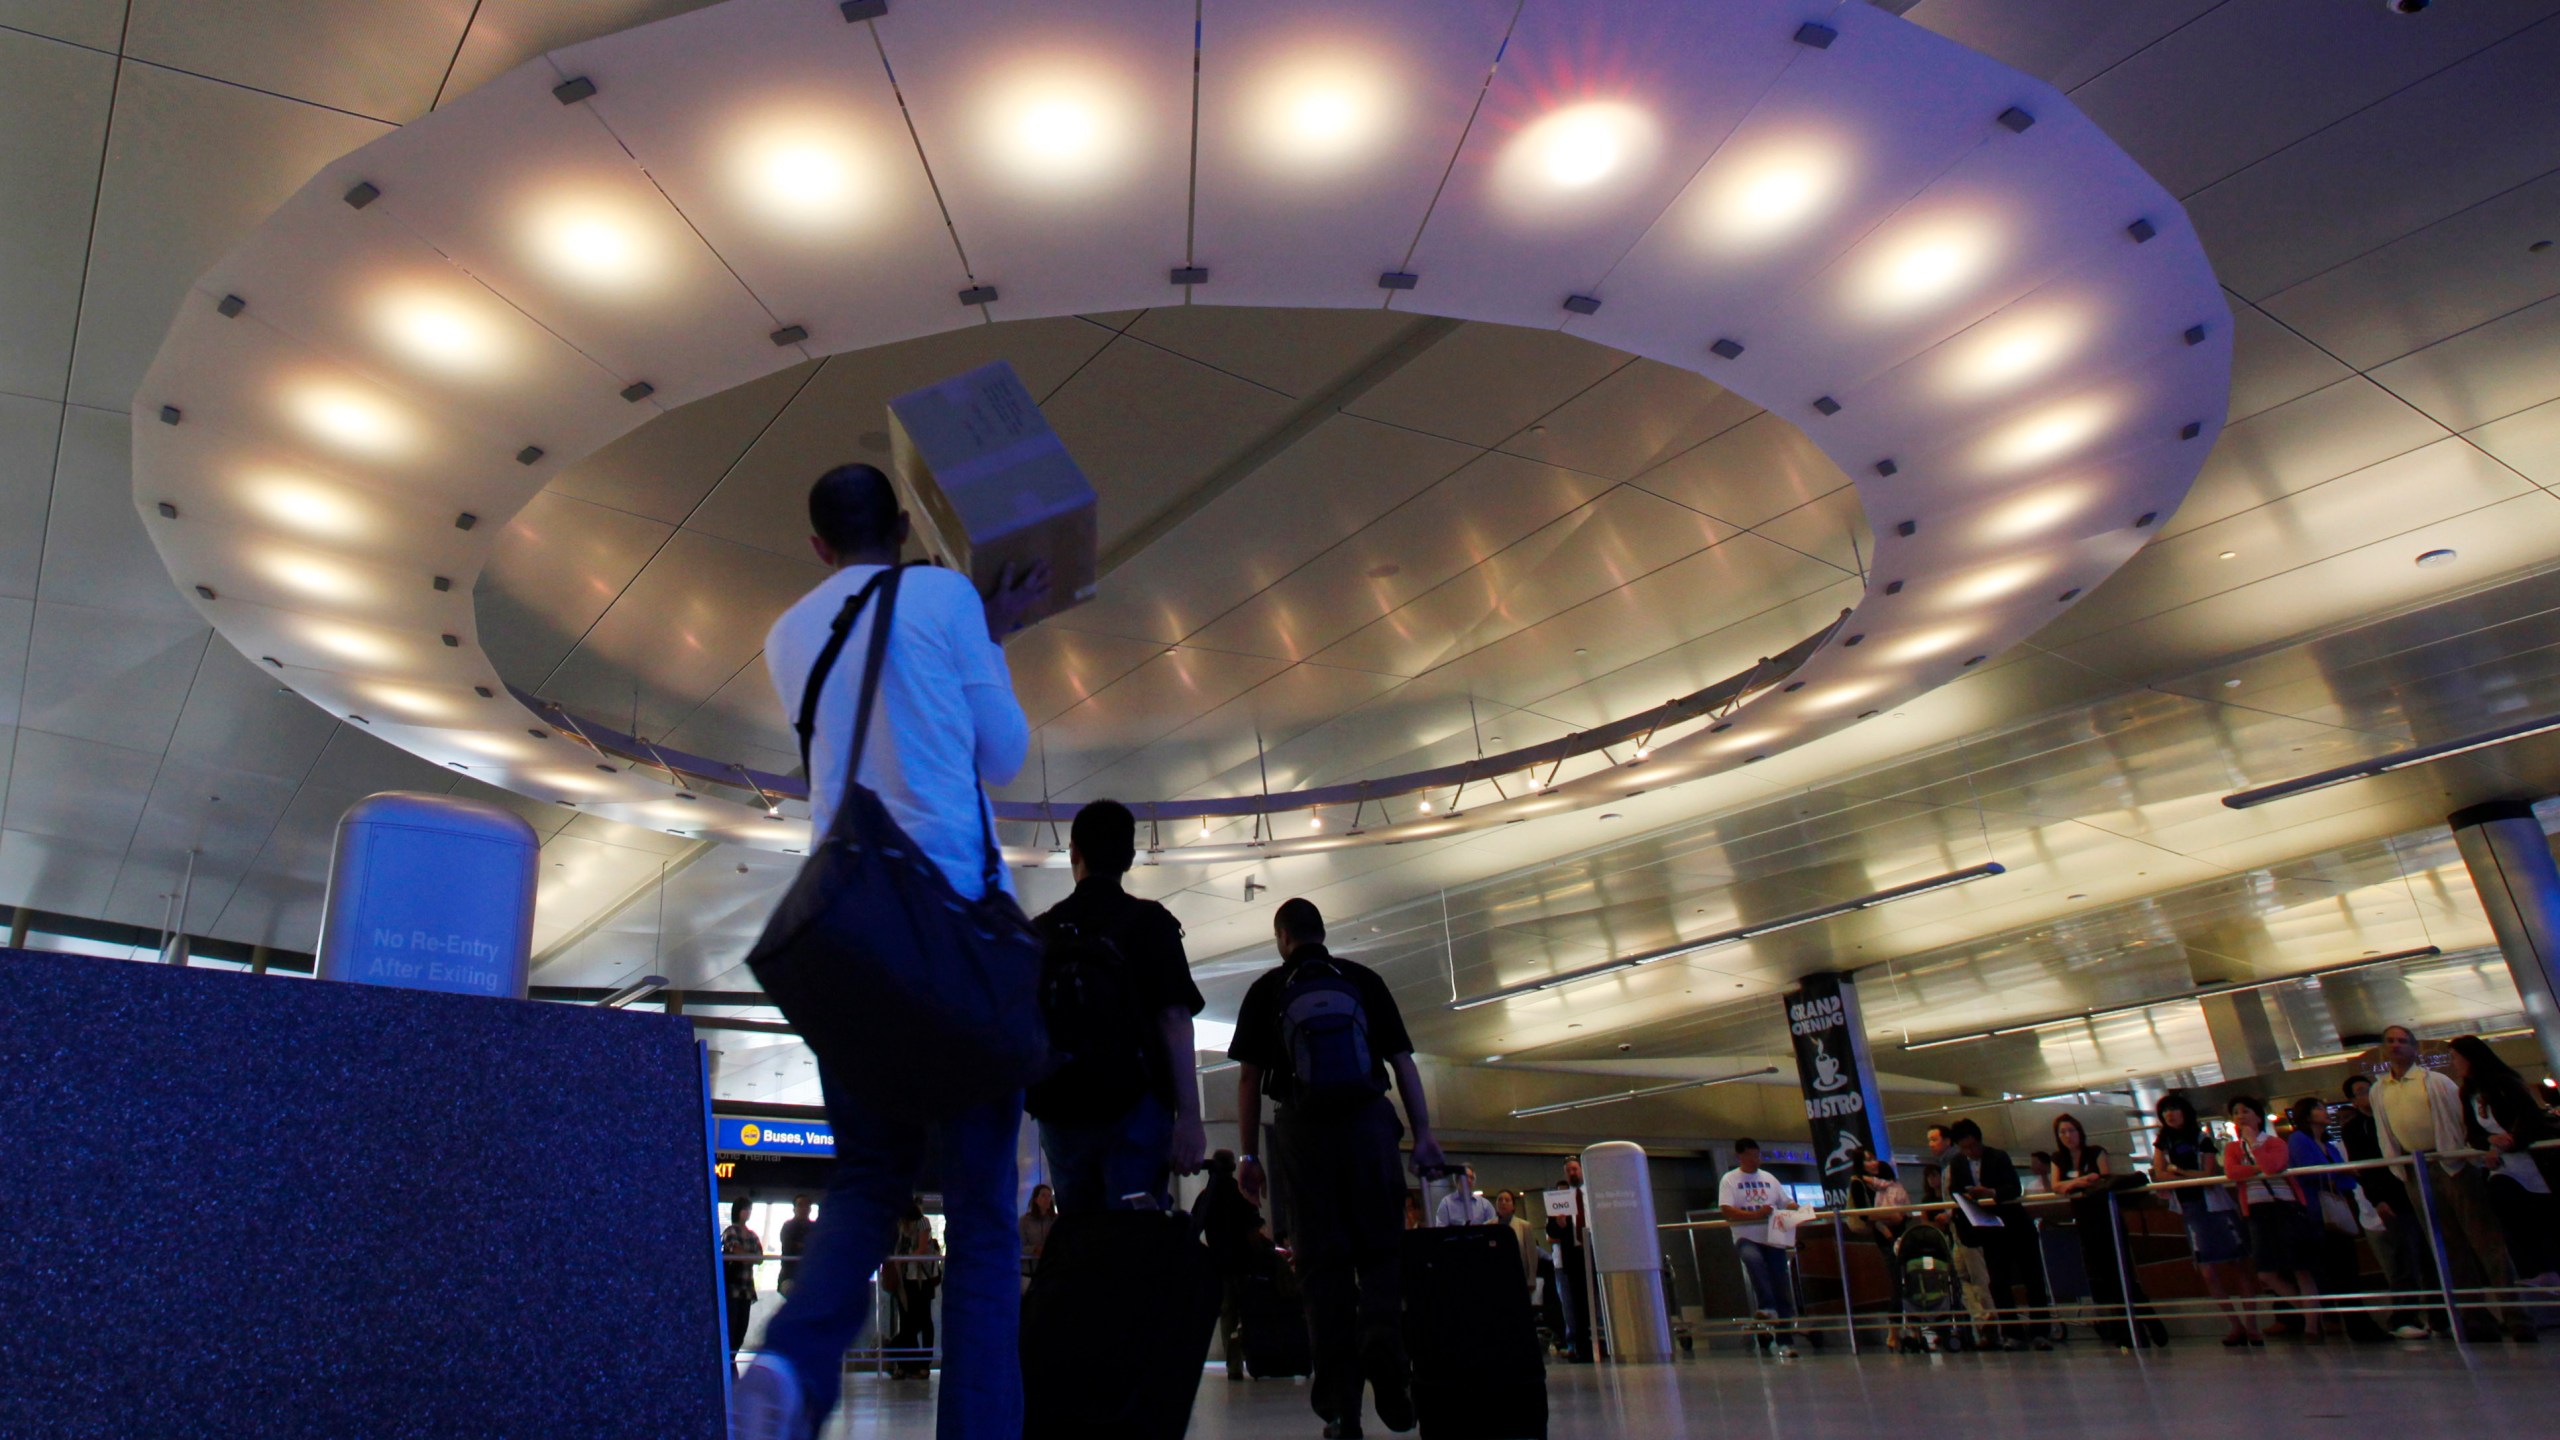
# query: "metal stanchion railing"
{"type": "Point", "coordinates": [2364, 1300]}
{"type": "Point", "coordinates": [1848, 1305]}
{"type": "Point", "coordinates": [2124, 1273]}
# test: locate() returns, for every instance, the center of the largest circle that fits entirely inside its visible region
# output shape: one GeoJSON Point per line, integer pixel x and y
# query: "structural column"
{"type": "Point", "coordinates": [2511, 866]}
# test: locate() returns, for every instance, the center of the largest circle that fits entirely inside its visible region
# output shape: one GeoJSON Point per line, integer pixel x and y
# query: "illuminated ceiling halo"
{"type": "Point", "coordinates": [1969, 297]}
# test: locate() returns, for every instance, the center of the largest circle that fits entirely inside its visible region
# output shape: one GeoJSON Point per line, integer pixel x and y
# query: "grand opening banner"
{"type": "Point", "coordinates": [1841, 1104]}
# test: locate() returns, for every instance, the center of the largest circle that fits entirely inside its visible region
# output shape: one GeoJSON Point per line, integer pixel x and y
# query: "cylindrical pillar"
{"type": "Point", "coordinates": [1626, 1252]}
{"type": "Point", "coordinates": [19, 918]}
{"type": "Point", "coordinates": [2510, 863]}
{"type": "Point", "coordinates": [259, 955]}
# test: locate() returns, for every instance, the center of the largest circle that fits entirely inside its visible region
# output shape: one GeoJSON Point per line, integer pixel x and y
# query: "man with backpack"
{"type": "Point", "coordinates": [1122, 1110]}
{"type": "Point", "coordinates": [1321, 1035]}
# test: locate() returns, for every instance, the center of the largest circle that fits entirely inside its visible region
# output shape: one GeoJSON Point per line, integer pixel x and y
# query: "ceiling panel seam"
{"type": "Point", "coordinates": [2375, 249]}
{"type": "Point", "coordinates": [459, 42]}
{"type": "Point", "coordinates": [1474, 110]}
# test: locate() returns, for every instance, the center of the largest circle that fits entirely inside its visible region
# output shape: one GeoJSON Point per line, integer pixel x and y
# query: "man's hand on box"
{"type": "Point", "coordinates": [1018, 592]}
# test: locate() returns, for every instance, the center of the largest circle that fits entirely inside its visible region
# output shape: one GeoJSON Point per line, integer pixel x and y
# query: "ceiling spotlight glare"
{"type": "Point", "coordinates": [1315, 822]}
{"type": "Point", "coordinates": [1994, 582]}
{"type": "Point", "coordinates": [1321, 112]}
{"type": "Point", "coordinates": [439, 334]}
{"type": "Point", "coordinates": [1773, 195]}
{"type": "Point", "coordinates": [317, 579]}
{"type": "Point", "coordinates": [593, 246]}
{"type": "Point", "coordinates": [305, 506]}
{"type": "Point", "coordinates": [1057, 130]}
{"type": "Point", "coordinates": [2004, 354]}
{"type": "Point", "coordinates": [2032, 515]}
{"type": "Point", "coordinates": [1922, 270]}
{"type": "Point", "coordinates": [1928, 644]}
{"type": "Point", "coordinates": [1426, 807]}
{"type": "Point", "coordinates": [346, 643]}
{"type": "Point", "coordinates": [1644, 752]}
{"type": "Point", "coordinates": [349, 419]}
{"type": "Point", "coordinates": [1576, 149]}
{"type": "Point", "coordinates": [801, 177]}
{"type": "Point", "coordinates": [1841, 697]}
{"type": "Point", "coordinates": [408, 703]}
{"type": "Point", "coordinates": [2049, 434]}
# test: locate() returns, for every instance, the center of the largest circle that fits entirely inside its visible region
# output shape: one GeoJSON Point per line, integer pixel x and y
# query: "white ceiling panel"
{"type": "Point", "coordinates": [95, 23]}
{"type": "Point", "coordinates": [1214, 753]}
{"type": "Point", "coordinates": [1618, 686]}
{"type": "Point", "coordinates": [2063, 41]}
{"type": "Point", "coordinates": [1460, 522]}
{"type": "Point", "coordinates": [1199, 419]}
{"type": "Point", "coordinates": [1830, 528]}
{"type": "Point", "coordinates": [559, 567]}
{"type": "Point", "coordinates": [696, 615]}
{"type": "Point", "coordinates": [17, 619]}
{"type": "Point", "coordinates": [68, 873]}
{"type": "Point", "coordinates": [1341, 476]}
{"type": "Point", "coordinates": [2462, 271]}
{"type": "Point", "coordinates": [1606, 544]}
{"type": "Point", "coordinates": [506, 33]}
{"type": "Point", "coordinates": [28, 432]}
{"type": "Point", "coordinates": [2295, 446]}
{"type": "Point", "coordinates": [841, 414]}
{"type": "Point", "coordinates": [112, 678]}
{"type": "Point", "coordinates": [2510, 364]}
{"type": "Point", "coordinates": [2529, 441]}
{"type": "Point", "coordinates": [237, 716]}
{"type": "Point", "coordinates": [1300, 353]}
{"type": "Point", "coordinates": [1328, 128]}
{"type": "Point", "coordinates": [76, 789]}
{"type": "Point", "coordinates": [53, 108]}
{"type": "Point", "coordinates": [1052, 132]}
{"type": "Point", "coordinates": [220, 816]}
{"type": "Point", "coordinates": [664, 469]}
{"type": "Point", "coordinates": [382, 61]}
{"type": "Point", "coordinates": [192, 166]}
{"type": "Point", "coordinates": [2270, 364]}
{"type": "Point", "coordinates": [562, 222]}
{"type": "Point", "coordinates": [1056, 669]}
{"type": "Point", "coordinates": [1157, 698]}
{"type": "Point", "coordinates": [96, 552]}
{"type": "Point", "coordinates": [1762, 468]}
{"type": "Point", "coordinates": [775, 128]}
{"type": "Point", "coordinates": [2243, 81]}
{"type": "Point", "coordinates": [1482, 384]}
{"type": "Point", "coordinates": [1636, 418]}
{"type": "Point", "coordinates": [1597, 117]}
{"type": "Point", "coordinates": [2436, 148]}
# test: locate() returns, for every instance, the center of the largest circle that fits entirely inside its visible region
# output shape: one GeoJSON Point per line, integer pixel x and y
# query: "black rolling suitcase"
{"type": "Point", "coordinates": [1478, 1371]}
{"type": "Point", "coordinates": [1276, 1344]}
{"type": "Point", "coordinates": [1116, 1327]}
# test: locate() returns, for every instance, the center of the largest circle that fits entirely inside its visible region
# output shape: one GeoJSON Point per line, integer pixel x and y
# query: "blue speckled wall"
{"type": "Point", "coordinates": [264, 1206]}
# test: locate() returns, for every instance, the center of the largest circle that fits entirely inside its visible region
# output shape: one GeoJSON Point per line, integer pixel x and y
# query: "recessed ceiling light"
{"type": "Point", "coordinates": [2079, 897]}
{"type": "Point", "coordinates": [2433, 558]}
{"type": "Point", "coordinates": [1612, 815]}
{"type": "Point", "coordinates": [2539, 246]}
{"type": "Point", "coordinates": [2228, 555]}
{"type": "Point", "coordinates": [2231, 684]}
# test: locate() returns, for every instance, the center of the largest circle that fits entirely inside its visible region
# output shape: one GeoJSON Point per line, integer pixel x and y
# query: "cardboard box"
{"type": "Point", "coordinates": [989, 484]}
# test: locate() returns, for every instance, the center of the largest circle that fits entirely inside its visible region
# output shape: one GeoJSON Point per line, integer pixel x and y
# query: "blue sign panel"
{"type": "Point", "coordinates": [775, 1137]}
{"type": "Point", "coordinates": [430, 892]}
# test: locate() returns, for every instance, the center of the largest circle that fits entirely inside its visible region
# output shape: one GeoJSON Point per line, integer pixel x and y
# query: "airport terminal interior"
{"type": "Point", "coordinates": [1788, 571]}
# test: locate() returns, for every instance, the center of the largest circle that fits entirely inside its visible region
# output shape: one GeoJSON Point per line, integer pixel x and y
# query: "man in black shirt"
{"type": "Point", "coordinates": [1573, 1284]}
{"type": "Point", "coordinates": [795, 1238]}
{"type": "Point", "coordinates": [1116, 1121]}
{"type": "Point", "coordinates": [1987, 1176]}
{"type": "Point", "coordinates": [1320, 1035]}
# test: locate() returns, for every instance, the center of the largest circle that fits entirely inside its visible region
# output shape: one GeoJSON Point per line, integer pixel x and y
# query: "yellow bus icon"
{"type": "Point", "coordinates": [748, 1134]}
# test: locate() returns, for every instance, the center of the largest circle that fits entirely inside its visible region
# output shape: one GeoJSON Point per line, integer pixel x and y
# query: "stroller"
{"type": "Point", "coordinates": [1932, 1293]}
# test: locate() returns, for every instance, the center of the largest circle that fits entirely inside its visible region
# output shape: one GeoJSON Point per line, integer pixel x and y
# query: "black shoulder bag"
{"type": "Point", "coordinates": [916, 1000]}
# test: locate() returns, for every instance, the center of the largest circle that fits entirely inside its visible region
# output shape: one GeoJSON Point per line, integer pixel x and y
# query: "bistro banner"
{"type": "Point", "coordinates": [1841, 1106]}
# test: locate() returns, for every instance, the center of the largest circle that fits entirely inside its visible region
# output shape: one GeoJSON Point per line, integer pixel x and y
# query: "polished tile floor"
{"type": "Point", "coordinates": [2317, 1394]}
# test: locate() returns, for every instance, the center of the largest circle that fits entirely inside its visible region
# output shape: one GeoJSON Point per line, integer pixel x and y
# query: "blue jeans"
{"type": "Point", "coordinates": [1772, 1287]}
{"type": "Point", "coordinates": [1095, 1167]}
{"type": "Point", "coordinates": [878, 1157]}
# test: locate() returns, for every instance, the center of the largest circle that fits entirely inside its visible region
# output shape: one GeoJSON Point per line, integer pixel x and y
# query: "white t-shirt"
{"type": "Point", "coordinates": [946, 718]}
{"type": "Point", "coordinates": [1750, 1192]}
{"type": "Point", "coordinates": [2516, 1165]}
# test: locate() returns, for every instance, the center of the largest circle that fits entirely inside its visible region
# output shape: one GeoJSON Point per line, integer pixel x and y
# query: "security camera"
{"type": "Point", "coordinates": [2406, 7]}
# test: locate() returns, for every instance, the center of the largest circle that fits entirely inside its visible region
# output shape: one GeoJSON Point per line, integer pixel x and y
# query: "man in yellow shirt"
{"type": "Point", "coordinates": [2416, 1109]}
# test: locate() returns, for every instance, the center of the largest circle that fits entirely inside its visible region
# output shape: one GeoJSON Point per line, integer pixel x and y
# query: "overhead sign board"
{"type": "Point", "coordinates": [774, 1137]}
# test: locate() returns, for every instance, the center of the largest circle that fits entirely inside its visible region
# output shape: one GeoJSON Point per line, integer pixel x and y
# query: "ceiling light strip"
{"type": "Point", "coordinates": [1626, 1095]}
{"type": "Point", "coordinates": [2201, 992]}
{"type": "Point", "coordinates": [2397, 760]}
{"type": "Point", "coordinates": [1736, 936]}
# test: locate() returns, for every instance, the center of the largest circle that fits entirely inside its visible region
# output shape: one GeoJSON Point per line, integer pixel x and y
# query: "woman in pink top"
{"type": "Point", "coordinates": [2282, 1231]}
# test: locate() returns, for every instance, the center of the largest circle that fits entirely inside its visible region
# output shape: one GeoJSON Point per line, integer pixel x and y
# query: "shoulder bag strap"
{"type": "Point", "coordinates": [810, 693]}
